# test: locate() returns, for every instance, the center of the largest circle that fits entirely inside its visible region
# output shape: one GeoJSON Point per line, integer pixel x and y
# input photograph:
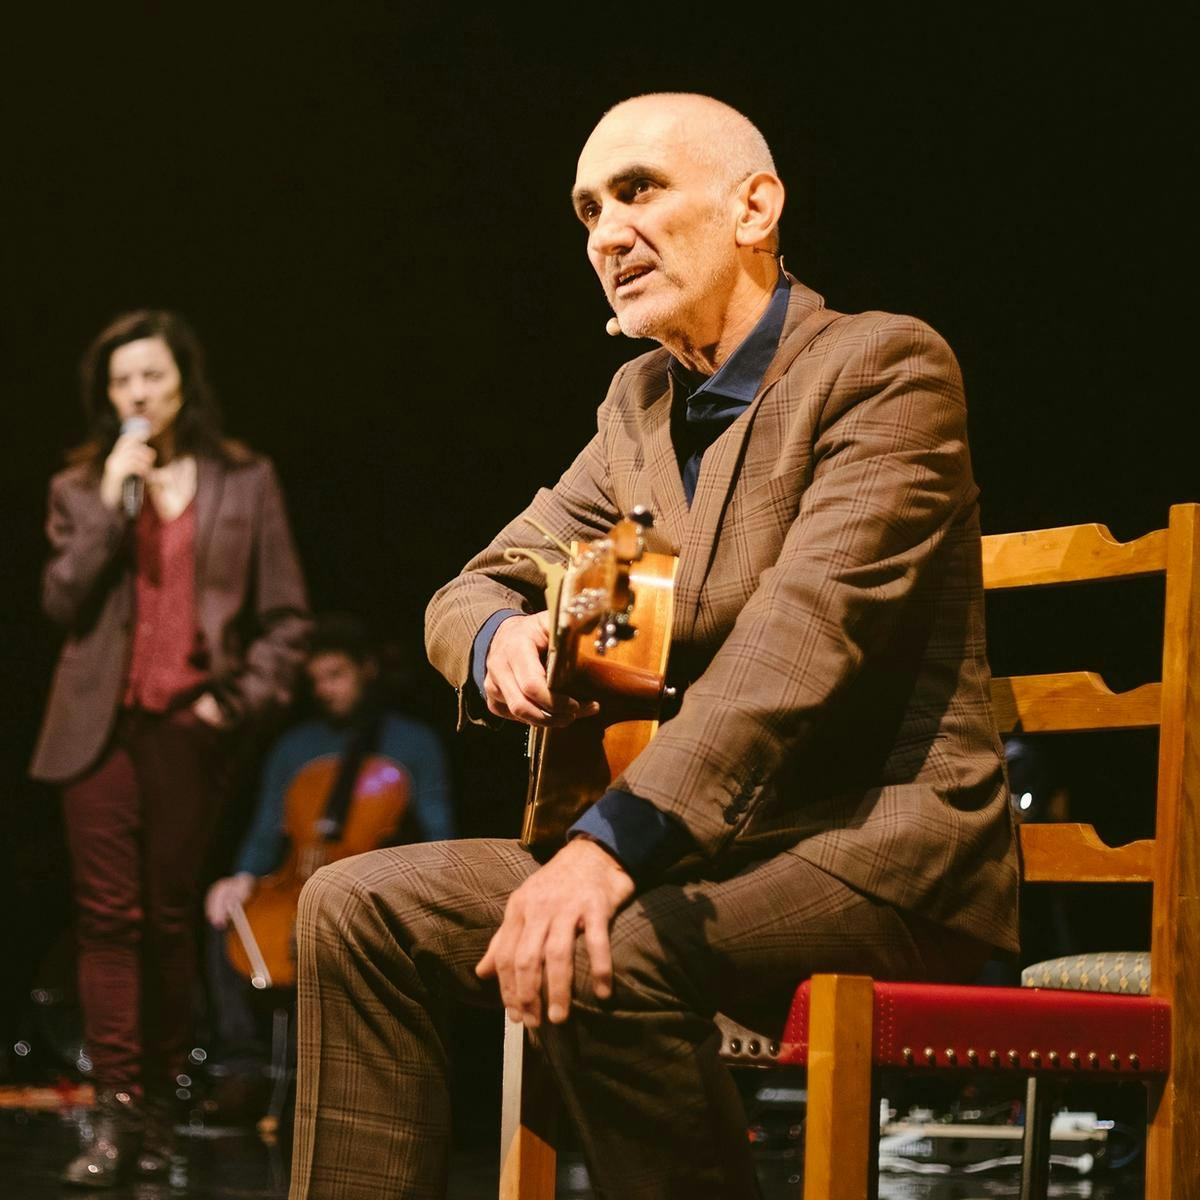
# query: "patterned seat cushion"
{"type": "Point", "coordinates": [1122, 972]}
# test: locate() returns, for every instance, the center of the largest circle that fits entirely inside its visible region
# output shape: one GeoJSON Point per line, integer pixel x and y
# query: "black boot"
{"type": "Point", "coordinates": [116, 1129]}
{"type": "Point", "coordinates": [158, 1141]}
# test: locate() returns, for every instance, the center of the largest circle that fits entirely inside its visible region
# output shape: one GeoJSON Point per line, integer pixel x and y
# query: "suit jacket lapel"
{"type": "Point", "coordinates": [210, 482]}
{"type": "Point", "coordinates": [666, 487]}
{"type": "Point", "coordinates": [719, 469]}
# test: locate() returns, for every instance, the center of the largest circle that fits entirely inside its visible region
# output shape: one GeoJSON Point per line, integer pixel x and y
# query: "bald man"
{"type": "Point", "coordinates": [830, 795]}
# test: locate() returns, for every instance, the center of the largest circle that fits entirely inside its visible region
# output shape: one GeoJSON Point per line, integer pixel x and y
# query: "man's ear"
{"type": "Point", "coordinates": [759, 207]}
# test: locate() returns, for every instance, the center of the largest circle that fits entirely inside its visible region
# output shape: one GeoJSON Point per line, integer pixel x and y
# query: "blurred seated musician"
{"type": "Point", "coordinates": [343, 671]}
{"type": "Point", "coordinates": [830, 795]}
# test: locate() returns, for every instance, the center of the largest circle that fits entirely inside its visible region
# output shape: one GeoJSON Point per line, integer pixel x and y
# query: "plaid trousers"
{"type": "Point", "coordinates": [387, 938]}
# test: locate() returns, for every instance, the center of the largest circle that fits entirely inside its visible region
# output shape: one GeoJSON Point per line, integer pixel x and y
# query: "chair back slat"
{"type": "Point", "coordinates": [1064, 853]}
{"type": "Point", "coordinates": [1073, 701]}
{"type": "Point", "coordinates": [1071, 554]}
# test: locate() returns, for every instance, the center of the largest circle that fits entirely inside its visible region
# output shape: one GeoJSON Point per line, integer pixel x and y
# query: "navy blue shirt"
{"type": "Point", "coordinates": [639, 835]}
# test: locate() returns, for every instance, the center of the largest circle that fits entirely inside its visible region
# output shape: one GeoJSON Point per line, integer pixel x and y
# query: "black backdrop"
{"type": "Point", "coordinates": [363, 210]}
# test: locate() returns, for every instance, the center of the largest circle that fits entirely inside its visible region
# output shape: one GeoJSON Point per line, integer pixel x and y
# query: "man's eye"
{"type": "Point", "coordinates": [589, 212]}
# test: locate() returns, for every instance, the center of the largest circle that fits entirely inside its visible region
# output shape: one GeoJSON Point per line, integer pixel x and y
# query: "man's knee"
{"type": "Point", "coordinates": [380, 888]}
{"type": "Point", "coordinates": [337, 900]}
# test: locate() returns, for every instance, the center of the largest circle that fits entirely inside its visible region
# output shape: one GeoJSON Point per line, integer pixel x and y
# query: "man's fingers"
{"type": "Point", "coordinates": [527, 971]}
{"type": "Point", "coordinates": [560, 972]}
{"type": "Point", "coordinates": [542, 709]}
{"type": "Point", "coordinates": [485, 968]}
{"type": "Point", "coordinates": [498, 960]}
{"type": "Point", "coordinates": [529, 672]}
{"type": "Point", "coordinates": [595, 938]}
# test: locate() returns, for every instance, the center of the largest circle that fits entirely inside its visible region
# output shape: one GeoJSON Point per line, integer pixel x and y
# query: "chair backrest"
{"type": "Point", "coordinates": [1080, 701]}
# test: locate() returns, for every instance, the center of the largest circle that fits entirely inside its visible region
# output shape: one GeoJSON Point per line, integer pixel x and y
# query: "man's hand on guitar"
{"type": "Point", "coordinates": [514, 685]}
{"type": "Point", "coordinates": [578, 891]}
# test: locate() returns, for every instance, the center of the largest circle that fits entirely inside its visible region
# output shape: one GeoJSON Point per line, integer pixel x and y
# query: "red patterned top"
{"type": "Point", "coordinates": [164, 663]}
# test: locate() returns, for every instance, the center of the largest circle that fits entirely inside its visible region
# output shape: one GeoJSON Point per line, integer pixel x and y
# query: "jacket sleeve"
{"type": "Point", "coordinates": [578, 507]}
{"type": "Point", "coordinates": [85, 539]}
{"type": "Point", "coordinates": [273, 660]}
{"type": "Point", "coordinates": [891, 476]}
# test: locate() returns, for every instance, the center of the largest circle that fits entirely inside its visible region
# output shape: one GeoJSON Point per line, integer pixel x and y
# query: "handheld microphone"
{"type": "Point", "coordinates": [133, 487]}
{"type": "Point", "coordinates": [613, 327]}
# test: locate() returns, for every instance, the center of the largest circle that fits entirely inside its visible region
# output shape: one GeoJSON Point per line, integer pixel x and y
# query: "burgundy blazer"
{"type": "Point", "coordinates": [251, 604]}
{"type": "Point", "coordinates": [828, 617]}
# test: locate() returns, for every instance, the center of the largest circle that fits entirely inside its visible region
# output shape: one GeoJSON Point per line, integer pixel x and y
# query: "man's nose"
{"type": "Point", "coordinates": [613, 232]}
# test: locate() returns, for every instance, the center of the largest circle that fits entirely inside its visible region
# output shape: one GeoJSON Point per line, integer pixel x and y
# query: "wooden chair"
{"type": "Point", "coordinates": [842, 1028]}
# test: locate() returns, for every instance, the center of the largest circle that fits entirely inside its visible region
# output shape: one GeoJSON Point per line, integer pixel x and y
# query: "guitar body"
{"type": "Point", "coordinates": [373, 819]}
{"type": "Point", "coordinates": [571, 768]}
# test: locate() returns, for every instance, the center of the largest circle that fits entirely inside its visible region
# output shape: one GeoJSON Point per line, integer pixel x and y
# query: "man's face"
{"type": "Point", "coordinates": [660, 227]}
{"type": "Point", "coordinates": [337, 682]}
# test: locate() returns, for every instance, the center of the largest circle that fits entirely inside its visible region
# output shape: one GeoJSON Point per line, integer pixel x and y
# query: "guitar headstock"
{"type": "Point", "coordinates": [595, 594]}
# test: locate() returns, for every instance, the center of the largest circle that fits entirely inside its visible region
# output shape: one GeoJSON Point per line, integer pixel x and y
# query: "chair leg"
{"type": "Point", "coordinates": [1035, 1151]}
{"type": "Point", "coordinates": [281, 1075]}
{"type": "Point", "coordinates": [528, 1120]}
{"type": "Point", "coordinates": [1171, 1145]}
{"type": "Point", "coordinates": [841, 1129]}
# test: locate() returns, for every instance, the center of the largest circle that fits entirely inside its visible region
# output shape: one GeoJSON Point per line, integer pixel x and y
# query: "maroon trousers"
{"type": "Point", "coordinates": [138, 825]}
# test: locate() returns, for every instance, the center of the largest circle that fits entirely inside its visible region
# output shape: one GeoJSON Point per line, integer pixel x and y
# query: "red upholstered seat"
{"type": "Point", "coordinates": [918, 1025]}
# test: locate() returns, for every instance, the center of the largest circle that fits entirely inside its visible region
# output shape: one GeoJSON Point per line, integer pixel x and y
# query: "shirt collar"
{"type": "Point", "coordinates": [741, 374]}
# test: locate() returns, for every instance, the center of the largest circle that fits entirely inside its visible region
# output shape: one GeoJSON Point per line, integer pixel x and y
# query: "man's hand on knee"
{"type": "Point", "coordinates": [577, 892]}
{"type": "Point", "coordinates": [514, 685]}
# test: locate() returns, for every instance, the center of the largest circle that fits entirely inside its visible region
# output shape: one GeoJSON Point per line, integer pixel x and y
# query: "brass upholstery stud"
{"type": "Point", "coordinates": [930, 1055]}
{"type": "Point", "coordinates": [907, 1054]}
{"type": "Point", "coordinates": [951, 1057]}
{"type": "Point", "coordinates": [1093, 1059]}
{"type": "Point", "coordinates": [1073, 1057]}
{"type": "Point", "coordinates": [1014, 1058]}
{"type": "Point", "coordinates": [1053, 1057]}
{"type": "Point", "coordinates": [1035, 1058]}
{"type": "Point", "coordinates": [994, 1055]}
{"type": "Point", "coordinates": [735, 1045]}
{"type": "Point", "coordinates": [1134, 1061]}
{"type": "Point", "coordinates": [973, 1057]}
{"type": "Point", "coordinates": [1115, 1060]}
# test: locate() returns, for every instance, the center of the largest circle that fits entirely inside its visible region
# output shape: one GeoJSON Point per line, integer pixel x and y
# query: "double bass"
{"type": "Point", "coordinates": [323, 823]}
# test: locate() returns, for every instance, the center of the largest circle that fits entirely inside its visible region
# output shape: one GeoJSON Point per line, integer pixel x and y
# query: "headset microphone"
{"type": "Point", "coordinates": [613, 327]}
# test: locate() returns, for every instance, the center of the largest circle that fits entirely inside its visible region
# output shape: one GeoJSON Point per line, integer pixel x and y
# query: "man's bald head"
{"type": "Point", "coordinates": [681, 202]}
{"type": "Point", "coordinates": [716, 133]}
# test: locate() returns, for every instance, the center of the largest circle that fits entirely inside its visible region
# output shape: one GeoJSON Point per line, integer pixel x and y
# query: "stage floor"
{"type": "Point", "coordinates": [234, 1164]}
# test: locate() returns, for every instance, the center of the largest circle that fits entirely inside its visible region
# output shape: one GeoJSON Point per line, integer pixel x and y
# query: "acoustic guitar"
{"type": "Point", "coordinates": [610, 607]}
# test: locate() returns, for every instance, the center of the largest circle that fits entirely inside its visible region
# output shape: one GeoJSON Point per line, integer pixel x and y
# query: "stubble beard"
{"type": "Point", "coordinates": [672, 319]}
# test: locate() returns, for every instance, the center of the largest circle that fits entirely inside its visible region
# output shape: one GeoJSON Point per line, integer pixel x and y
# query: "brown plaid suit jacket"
{"type": "Point", "coordinates": [828, 620]}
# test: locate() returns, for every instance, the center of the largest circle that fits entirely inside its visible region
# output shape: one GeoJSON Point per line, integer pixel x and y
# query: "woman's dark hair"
{"type": "Point", "coordinates": [198, 425]}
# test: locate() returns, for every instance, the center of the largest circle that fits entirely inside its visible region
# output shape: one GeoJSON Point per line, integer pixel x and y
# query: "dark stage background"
{"type": "Point", "coordinates": [364, 213]}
